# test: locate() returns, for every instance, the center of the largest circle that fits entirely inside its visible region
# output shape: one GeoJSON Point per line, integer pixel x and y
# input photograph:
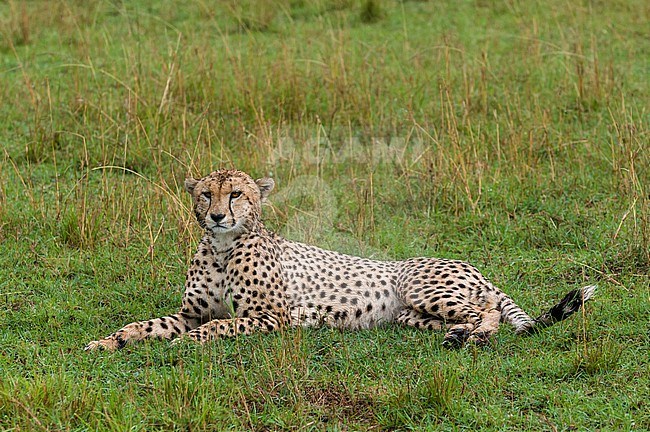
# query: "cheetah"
{"type": "Point", "coordinates": [245, 278]}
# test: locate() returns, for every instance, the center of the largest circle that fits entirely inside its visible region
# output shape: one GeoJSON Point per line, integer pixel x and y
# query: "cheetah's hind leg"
{"type": "Point", "coordinates": [419, 320]}
{"type": "Point", "coordinates": [457, 333]}
{"type": "Point", "coordinates": [486, 328]}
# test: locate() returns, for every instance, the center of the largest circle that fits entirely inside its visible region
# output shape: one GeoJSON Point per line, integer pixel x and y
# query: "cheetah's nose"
{"type": "Point", "coordinates": [217, 217]}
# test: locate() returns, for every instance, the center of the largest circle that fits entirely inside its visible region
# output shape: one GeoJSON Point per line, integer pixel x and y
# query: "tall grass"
{"type": "Point", "coordinates": [514, 135]}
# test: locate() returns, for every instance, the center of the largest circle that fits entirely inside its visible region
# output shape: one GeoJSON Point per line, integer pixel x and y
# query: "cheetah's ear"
{"type": "Point", "coordinates": [266, 185]}
{"type": "Point", "coordinates": [190, 184]}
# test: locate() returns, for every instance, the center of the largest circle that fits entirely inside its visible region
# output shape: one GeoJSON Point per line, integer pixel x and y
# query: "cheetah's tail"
{"type": "Point", "coordinates": [570, 304]}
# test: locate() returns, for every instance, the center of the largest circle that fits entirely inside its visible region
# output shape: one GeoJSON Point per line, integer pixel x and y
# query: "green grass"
{"type": "Point", "coordinates": [514, 135]}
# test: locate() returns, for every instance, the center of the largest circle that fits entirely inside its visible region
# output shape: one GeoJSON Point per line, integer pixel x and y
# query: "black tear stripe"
{"type": "Point", "coordinates": [232, 215]}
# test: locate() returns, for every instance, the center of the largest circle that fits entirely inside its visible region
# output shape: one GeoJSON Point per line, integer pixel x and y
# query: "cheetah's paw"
{"type": "Point", "coordinates": [108, 344]}
{"type": "Point", "coordinates": [481, 338]}
{"type": "Point", "coordinates": [455, 338]}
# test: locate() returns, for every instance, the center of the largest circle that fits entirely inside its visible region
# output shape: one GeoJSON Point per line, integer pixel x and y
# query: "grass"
{"type": "Point", "coordinates": [510, 134]}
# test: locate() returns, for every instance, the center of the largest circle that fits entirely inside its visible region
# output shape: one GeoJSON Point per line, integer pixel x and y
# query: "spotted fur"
{"type": "Point", "coordinates": [245, 278]}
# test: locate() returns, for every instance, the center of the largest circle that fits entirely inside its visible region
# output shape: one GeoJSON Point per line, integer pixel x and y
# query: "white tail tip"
{"type": "Point", "coordinates": [588, 292]}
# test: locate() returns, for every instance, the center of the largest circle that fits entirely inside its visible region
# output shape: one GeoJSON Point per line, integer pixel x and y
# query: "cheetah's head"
{"type": "Point", "coordinates": [228, 201]}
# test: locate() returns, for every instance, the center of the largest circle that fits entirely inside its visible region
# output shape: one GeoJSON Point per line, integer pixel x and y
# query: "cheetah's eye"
{"type": "Point", "coordinates": [207, 195]}
{"type": "Point", "coordinates": [235, 194]}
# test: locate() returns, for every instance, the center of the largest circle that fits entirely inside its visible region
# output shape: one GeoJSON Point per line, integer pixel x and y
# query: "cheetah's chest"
{"type": "Point", "coordinates": [206, 292]}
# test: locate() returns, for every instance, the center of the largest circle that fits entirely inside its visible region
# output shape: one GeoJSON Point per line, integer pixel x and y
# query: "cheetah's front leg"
{"type": "Point", "coordinates": [167, 327]}
{"type": "Point", "coordinates": [234, 326]}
